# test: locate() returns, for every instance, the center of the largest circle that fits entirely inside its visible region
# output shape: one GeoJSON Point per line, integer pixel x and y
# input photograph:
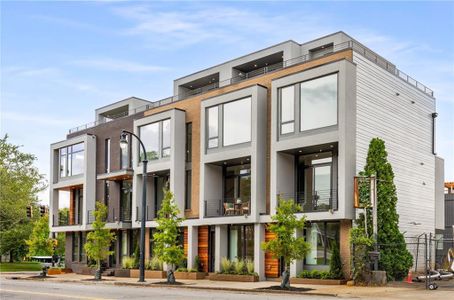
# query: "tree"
{"type": "Point", "coordinates": [335, 263]}
{"type": "Point", "coordinates": [39, 243]}
{"type": "Point", "coordinates": [395, 259]}
{"type": "Point", "coordinates": [286, 244]}
{"type": "Point", "coordinates": [100, 239]}
{"type": "Point", "coordinates": [20, 183]}
{"type": "Point", "coordinates": [167, 247]}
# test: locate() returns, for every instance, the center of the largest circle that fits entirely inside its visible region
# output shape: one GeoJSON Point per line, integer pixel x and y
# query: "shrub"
{"type": "Point", "coordinates": [127, 262]}
{"type": "Point", "coordinates": [226, 266]}
{"type": "Point", "coordinates": [239, 267]}
{"type": "Point", "coordinates": [316, 274]}
{"type": "Point", "coordinates": [155, 264]}
{"type": "Point", "coordinates": [250, 267]}
{"type": "Point", "coordinates": [182, 270]}
{"type": "Point", "coordinates": [197, 264]}
{"type": "Point", "coordinates": [335, 264]}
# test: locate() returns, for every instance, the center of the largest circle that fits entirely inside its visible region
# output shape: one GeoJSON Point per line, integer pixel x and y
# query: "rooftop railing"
{"type": "Point", "coordinates": [352, 44]}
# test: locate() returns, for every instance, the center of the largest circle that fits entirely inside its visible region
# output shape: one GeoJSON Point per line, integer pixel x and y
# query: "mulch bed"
{"type": "Point", "coordinates": [41, 277]}
{"type": "Point", "coordinates": [165, 283]}
{"type": "Point", "coordinates": [291, 289]}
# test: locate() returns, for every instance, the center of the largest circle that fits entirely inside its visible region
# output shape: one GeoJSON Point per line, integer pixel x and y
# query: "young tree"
{"type": "Point", "coordinates": [286, 244]}
{"type": "Point", "coordinates": [167, 247]}
{"type": "Point", "coordinates": [99, 240]}
{"type": "Point", "coordinates": [335, 263]}
{"type": "Point", "coordinates": [40, 243]}
{"type": "Point", "coordinates": [395, 259]}
{"type": "Point", "coordinates": [20, 183]}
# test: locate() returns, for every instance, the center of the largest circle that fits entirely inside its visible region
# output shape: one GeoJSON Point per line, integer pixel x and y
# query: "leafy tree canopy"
{"type": "Point", "coordinates": [167, 247]}
{"type": "Point", "coordinates": [20, 182]}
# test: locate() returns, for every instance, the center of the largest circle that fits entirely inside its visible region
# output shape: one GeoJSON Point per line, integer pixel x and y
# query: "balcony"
{"type": "Point", "coordinates": [65, 218]}
{"type": "Point", "coordinates": [114, 216]}
{"type": "Point", "coordinates": [314, 201]}
{"type": "Point", "coordinates": [226, 208]}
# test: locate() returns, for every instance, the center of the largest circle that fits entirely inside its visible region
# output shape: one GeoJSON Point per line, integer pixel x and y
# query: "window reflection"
{"type": "Point", "coordinates": [237, 122]}
{"type": "Point", "coordinates": [287, 109]}
{"type": "Point", "coordinates": [156, 138]}
{"type": "Point", "coordinates": [318, 102]}
{"type": "Point", "coordinates": [72, 160]}
{"type": "Point", "coordinates": [213, 123]}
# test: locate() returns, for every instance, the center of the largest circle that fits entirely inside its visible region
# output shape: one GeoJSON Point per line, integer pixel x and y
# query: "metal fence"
{"type": "Point", "coordinates": [427, 255]}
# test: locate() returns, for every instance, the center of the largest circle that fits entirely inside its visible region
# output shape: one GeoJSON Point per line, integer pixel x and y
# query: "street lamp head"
{"type": "Point", "coordinates": [123, 140]}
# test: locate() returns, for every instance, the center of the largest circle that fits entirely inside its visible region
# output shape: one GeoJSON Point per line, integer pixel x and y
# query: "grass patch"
{"type": "Point", "coordinates": [20, 266]}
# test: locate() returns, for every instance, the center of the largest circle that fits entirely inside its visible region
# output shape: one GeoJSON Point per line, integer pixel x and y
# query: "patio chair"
{"type": "Point", "coordinates": [245, 208]}
{"type": "Point", "coordinates": [229, 208]}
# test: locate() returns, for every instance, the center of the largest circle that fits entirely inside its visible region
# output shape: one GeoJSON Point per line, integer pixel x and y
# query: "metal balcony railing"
{"type": "Point", "coordinates": [66, 219]}
{"type": "Point", "coordinates": [352, 44]}
{"type": "Point", "coordinates": [226, 207]}
{"type": "Point", "coordinates": [314, 201]}
{"type": "Point", "coordinates": [149, 214]}
{"type": "Point", "coordinates": [112, 217]}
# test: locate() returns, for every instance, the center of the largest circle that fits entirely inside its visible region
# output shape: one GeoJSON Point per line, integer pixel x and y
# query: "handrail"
{"type": "Point", "coordinates": [352, 44]}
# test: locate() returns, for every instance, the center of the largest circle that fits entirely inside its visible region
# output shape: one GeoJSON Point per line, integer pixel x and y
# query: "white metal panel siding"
{"type": "Point", "coordinates": [406, 129]}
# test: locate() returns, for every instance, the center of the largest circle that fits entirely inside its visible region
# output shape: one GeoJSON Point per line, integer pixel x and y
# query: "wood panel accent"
{"type": "Point", "coordinates": [185, 241]}
{"type": "Point", "coordinates": [72, 206]}
{"type": "Point", "coordinates": [192, 107]}
{"type": "Point", "coordinates": [203, 247]}
{"type": "Point", "coordinates": [271, 264]}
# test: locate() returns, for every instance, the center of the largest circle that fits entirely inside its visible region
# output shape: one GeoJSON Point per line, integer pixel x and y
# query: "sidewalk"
{"type": "Point", "coordinates": [389, 292]}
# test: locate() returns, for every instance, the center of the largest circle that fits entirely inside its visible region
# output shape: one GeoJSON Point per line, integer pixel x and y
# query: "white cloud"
{"type": "Point", "coordinates": [34, 119]}
{"type": "Point", "coordinates": [118, 65]}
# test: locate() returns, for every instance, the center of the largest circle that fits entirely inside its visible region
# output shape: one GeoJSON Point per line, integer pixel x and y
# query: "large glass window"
{"type": "Point", "coordinates": [287, 109]}
{"type": "Point", "coordinates": [166, 138]}
{"type": "Point", "coordinates": [323, 237]}
{"type": "Point", "coordinates": [107, 155]}
{"type": "Point", "coordinates": [237, 122]}
{"type": "Point", "coordinates": [125, 200]}
{"type": "Point", "coordinates": [71, 160]}
{"type": "Point", "coordinates": [156, 138]}
{"type": "Point", "coordinates": [75, 246]}
{"type": "Point", "coordinates": [315, 178]}
{"type": "Point", "coordinates": [188, 190]}
{"type": "Point", "coordinates": [318, 102]}
{"type": "Point", "coordinates": [241, 242]}
{"type": "Point", "coordinates": [188, 142]}
{"type": "Point", "coordinates": [213, 127]}
{"type": "Point", "coordinates": [125, 157]}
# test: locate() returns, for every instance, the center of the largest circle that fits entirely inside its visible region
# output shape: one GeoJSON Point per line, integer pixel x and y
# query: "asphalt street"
{"type": "Point", "coordinates": [27, 289]}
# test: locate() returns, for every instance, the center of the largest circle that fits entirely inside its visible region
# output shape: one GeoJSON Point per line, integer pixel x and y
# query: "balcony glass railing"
{"type": "Point", "coordinates": [65, 218]}
{"type": "Point", "coordinates": [314, 201]}
{"type": "Point", "coordinates": [227, 207]}
{"type": "Point", "coordinates": [149, 214]}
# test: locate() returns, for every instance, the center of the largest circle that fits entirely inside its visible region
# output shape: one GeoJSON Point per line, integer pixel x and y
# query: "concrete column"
{"type": "Point", "coordinates": [344, 246]}
{"type": "Point", "coordinates": [297, 266]}
{"type": "Point", "coordinates": [259, 254]}
{"type": "Point", "coordinates": [221, 243]}
{"type": "Point", "coordinates": [193, 244]}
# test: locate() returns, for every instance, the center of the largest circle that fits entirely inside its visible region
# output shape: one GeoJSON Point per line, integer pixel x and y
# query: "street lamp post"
{"type": "Point", "coordinates": [124, 145]}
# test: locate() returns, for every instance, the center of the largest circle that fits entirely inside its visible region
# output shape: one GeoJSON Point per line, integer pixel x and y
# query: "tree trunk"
{"type": "Point", "coordinates": [98, 270]}
{"type": "Point", "coordinates": [285, 283]}
{"type": "Point", "coordinates": [170, 276]}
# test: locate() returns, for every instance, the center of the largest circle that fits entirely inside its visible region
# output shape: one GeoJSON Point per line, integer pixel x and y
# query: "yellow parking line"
{"type": "Point", "coordinates": [51, 294]}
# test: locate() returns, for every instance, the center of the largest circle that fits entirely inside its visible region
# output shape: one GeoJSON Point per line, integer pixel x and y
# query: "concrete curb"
{"type": "Point", "coordinates": [185, 286]}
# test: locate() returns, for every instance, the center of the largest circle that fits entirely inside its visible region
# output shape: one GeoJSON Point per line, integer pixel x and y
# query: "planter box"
{"type": "Point", "coordinates": [189, 275]}
{"type": "Point", "coordinates": [54, 272]}
{"type": "Point", "coordinates": [134, 273]}
{"type": "Point", "coordinates": [232, 277]}
{"type": "Point", "coordinates": [318, 281]}
{"type": "Point", "coordinates": [122, 273]}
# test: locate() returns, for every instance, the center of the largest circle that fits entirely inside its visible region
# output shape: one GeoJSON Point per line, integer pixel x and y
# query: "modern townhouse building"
{"type": "Point", "coordinates": [292, 120]}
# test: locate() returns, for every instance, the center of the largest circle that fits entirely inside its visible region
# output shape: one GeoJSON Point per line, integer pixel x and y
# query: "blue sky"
{"type": "Point", "coordinates": [61, 60]}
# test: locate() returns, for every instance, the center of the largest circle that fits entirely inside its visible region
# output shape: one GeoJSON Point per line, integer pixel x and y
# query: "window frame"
{"type": "Point", "coordinates": [161, 149]}
{"type": "Point", "coordinates": [216, 137]}
{"type": "Point", "coordinates": [68, 165]}
{"type": "Point", "coordinates": [222, 121]}
{"type": "Point", "coordinates": [107, 155]}
{"type": "Point", "coordinates": [300, 106]}
{"type": "Point", "coordinates": [293, 121]}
